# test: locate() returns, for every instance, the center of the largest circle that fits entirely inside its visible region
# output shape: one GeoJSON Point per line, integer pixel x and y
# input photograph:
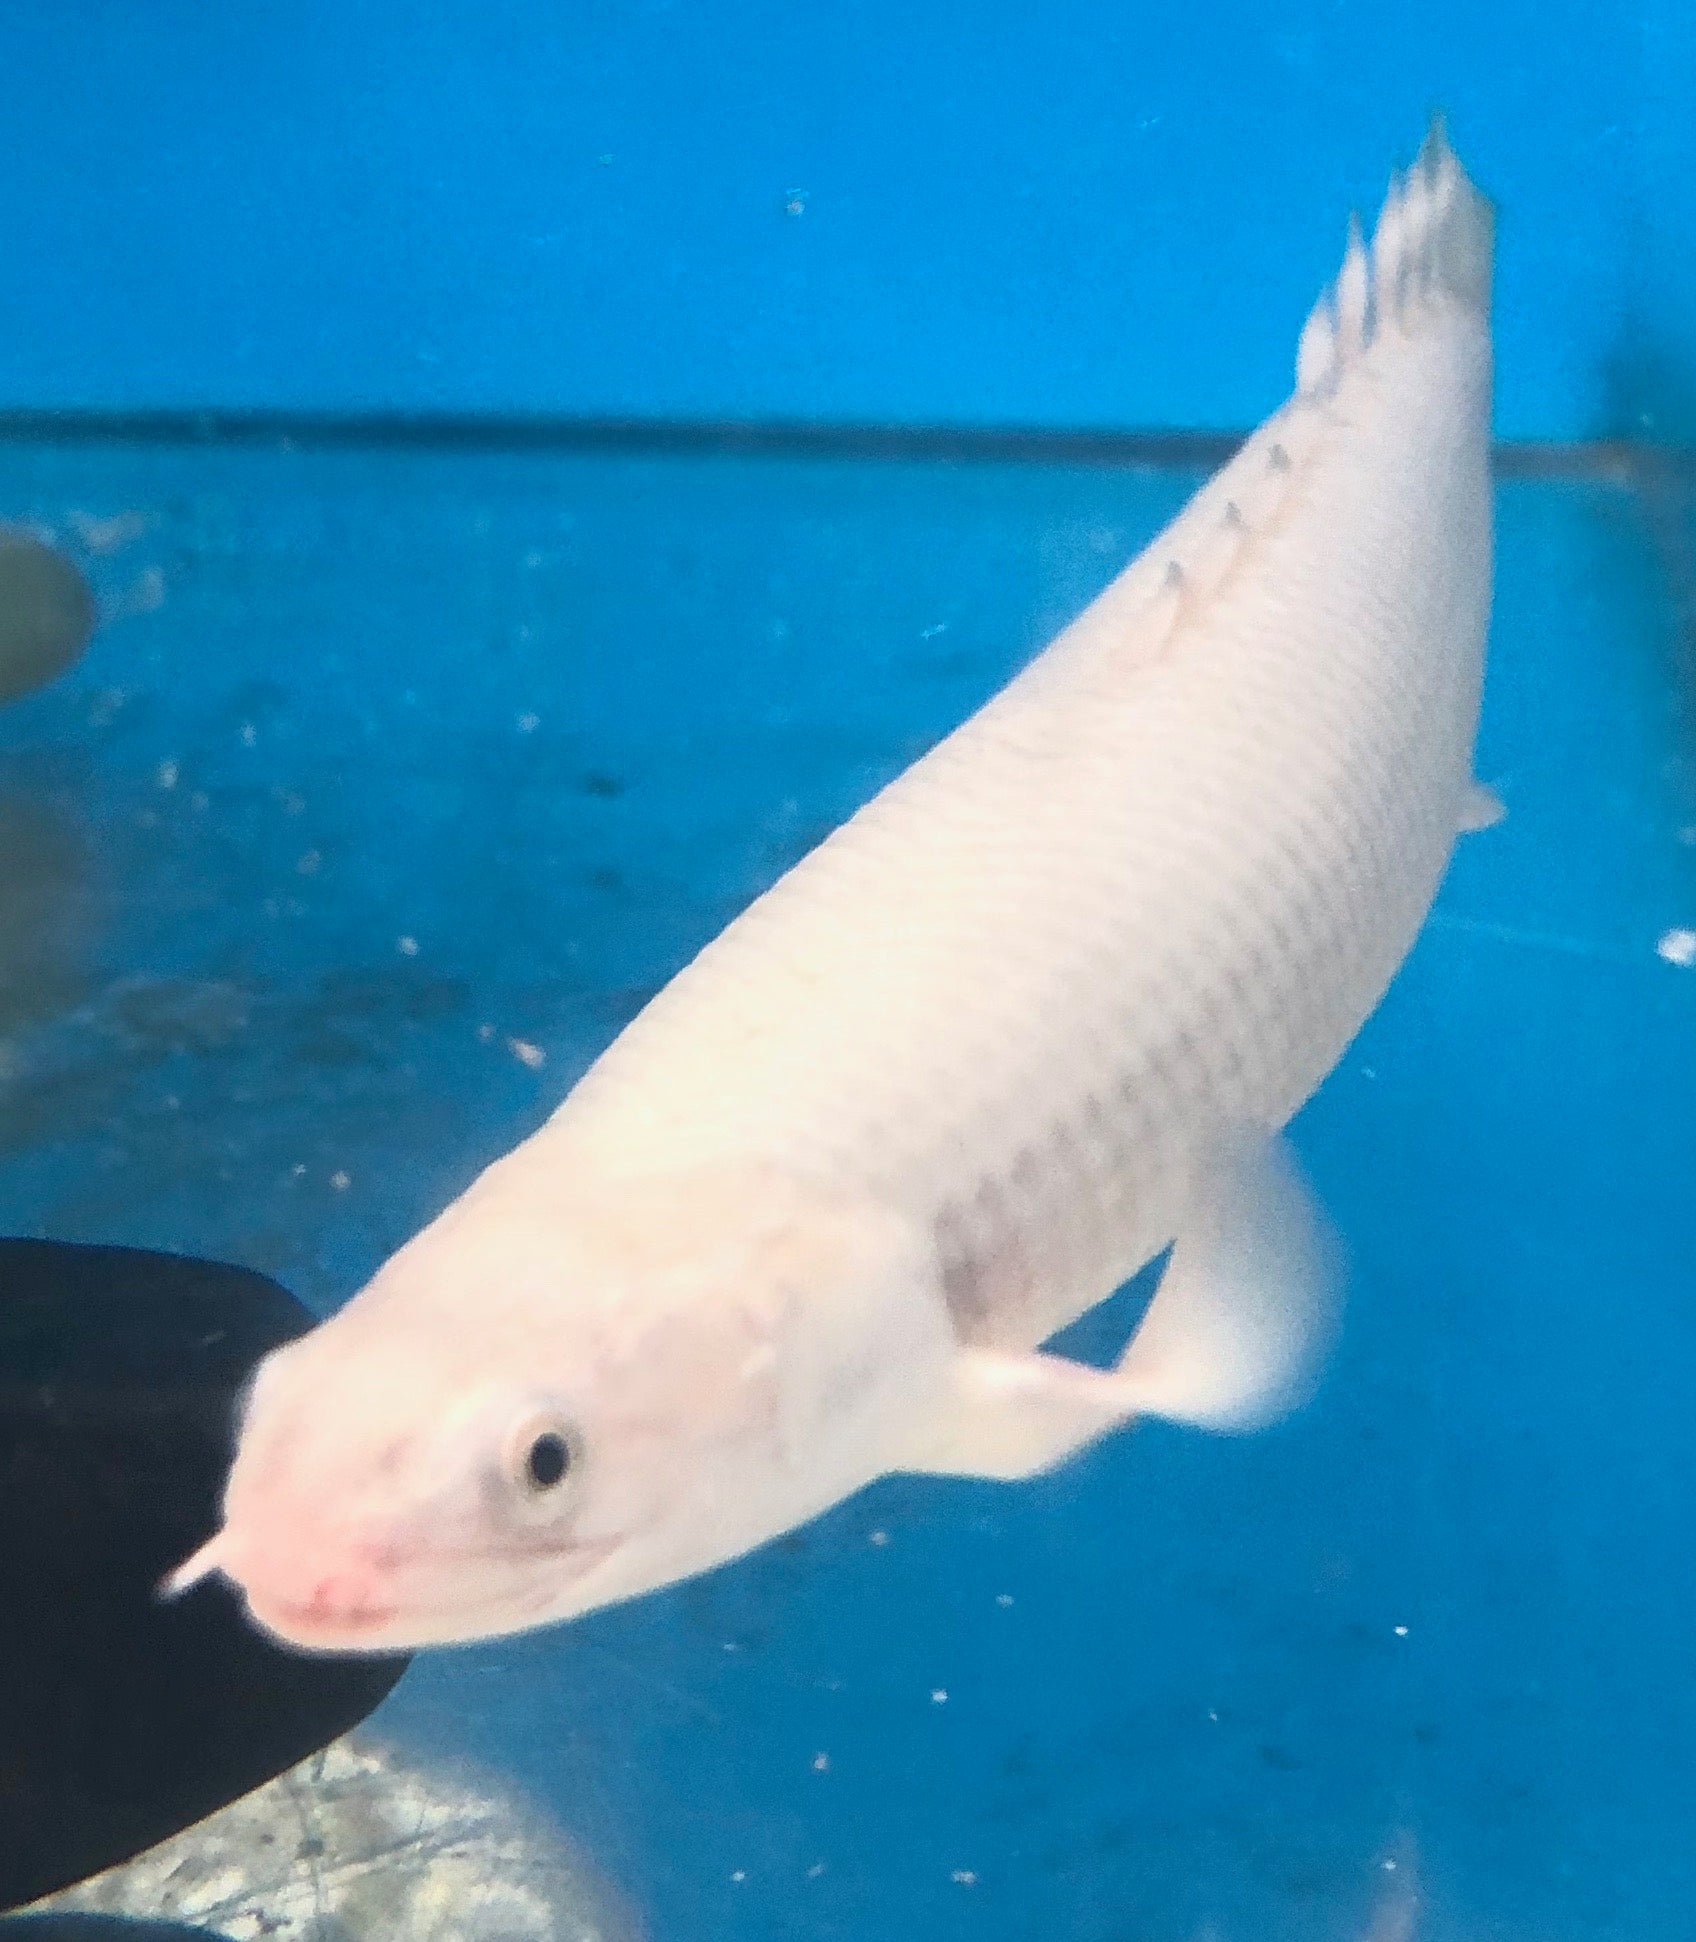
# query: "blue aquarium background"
{"type": "Point", "coordinates": [405, 380]}
{"type": "Point", "coordinates": [1083, 213]}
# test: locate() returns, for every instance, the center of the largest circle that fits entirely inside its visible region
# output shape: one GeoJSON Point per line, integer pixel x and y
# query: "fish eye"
{"type": "Point", "coordinates": [547, 1460]}
{"type": "Point", "coordinates": [542, 1452]}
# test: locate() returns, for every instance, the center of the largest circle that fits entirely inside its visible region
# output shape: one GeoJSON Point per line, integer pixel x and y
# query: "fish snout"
{"type": "Point", "coordinates": [314, 1599]}
{"type": "Point", "coordinates": [339, 1601]}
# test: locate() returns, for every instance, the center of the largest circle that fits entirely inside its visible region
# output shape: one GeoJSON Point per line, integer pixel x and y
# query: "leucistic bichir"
{"type": "Point", "coordinates": [1038, 1010]}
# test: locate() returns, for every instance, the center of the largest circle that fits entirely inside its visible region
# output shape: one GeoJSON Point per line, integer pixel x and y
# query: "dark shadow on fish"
{"type": "Point", "coordinates": [124, 1718]}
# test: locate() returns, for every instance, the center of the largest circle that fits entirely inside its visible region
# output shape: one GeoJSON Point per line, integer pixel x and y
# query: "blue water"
{"type": "Point", "coordinates": [1087, 212]}
{"type": "Point", "coordinates": [409, 768]}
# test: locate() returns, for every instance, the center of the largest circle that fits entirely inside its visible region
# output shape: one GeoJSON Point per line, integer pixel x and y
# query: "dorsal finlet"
{"type": "Point", "coordinates": [1433, 240]}
{"type": "Point", "coordinates": [1354, 296]}
{"type": "Point", "coordinates": [1435, 155]}
{"type": "Point", "coordinates": [1389, 238]}
{"type": "Point", "coordinates": [1316, 354]}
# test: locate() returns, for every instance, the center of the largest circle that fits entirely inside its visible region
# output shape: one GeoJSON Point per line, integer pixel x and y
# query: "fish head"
{"type": "Point", "coordinates": [518, 1421]}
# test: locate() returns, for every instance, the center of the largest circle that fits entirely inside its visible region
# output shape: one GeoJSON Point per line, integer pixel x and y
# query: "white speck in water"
{"type": "Point", "coordinates": [930, 633]}
{"type": "Point", "coordinates": [528, 724]}
{"type": "Point", "coordinates": [1389, 1867]}
{"type": "Point", "coordinates": [527, 1054]}
{"type": "Point", "coordinates": [939, 1695]}
{"type": "Point", "coordinates": [1369, 1072]}
{"type": "Point", "coordinates": [166, 775]}
{"type": "Point", "coordinates": [407, 946]}
{"type": "Point", "coordinates": [145, 596]}
{"type": "Point", "coordinates": [795, 203]}
{"type": "Point", "coordinates": [486, 1033]}
{"type": "Point", "coordinates": [879, 1538]}
{"type": "Point", "coordinates": [1678, 947]}
{"type": "Point", "coordinates": [309, 864]}
{"type": "Point", "coordinates": [249, 735]}
{"type": "Point", "coordinates": [966, 1877]}
{"type": "Point", "coordinates": [821, 1763]}
{"type": "Point", "coordinates": [1213, 1715]}
{"type": "Point", "coordinates": [109, 535]}
{"type": "Point", "coordinates": [1004, 1599]}
{"type": "Point", "coordinates": [299, 1169]}
{"type": "Point", "coordinates": [340, 1181]}
{"type": "Point", "coordinates": [815, 1871]}
{"type": "Point", "coordinates": [1401, 1631]}
{"type": "Point", "coordinates": [739, 1874]}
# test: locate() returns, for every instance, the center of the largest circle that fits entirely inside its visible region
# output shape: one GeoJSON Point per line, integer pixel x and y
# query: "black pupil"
{"type": "Point", "coordinates": [548, 1461]}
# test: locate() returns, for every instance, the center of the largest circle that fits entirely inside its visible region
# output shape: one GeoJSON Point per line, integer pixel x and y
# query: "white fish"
{"type": "Point", "coordinates": [1035, 1012]}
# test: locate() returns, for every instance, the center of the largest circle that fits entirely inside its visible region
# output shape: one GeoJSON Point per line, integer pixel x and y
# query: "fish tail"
{"type": "Point", "coordinates": [1433, 248]}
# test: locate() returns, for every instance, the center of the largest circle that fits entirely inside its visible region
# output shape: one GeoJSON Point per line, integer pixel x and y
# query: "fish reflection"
{"type": "Point", "coordinates": [46, 919]}
{"type": "Point", "coordinates": [368, 1844]}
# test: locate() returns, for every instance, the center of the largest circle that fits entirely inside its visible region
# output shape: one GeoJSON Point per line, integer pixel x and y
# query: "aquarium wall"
{"type": "Point", "coordinates": [1079, 215]}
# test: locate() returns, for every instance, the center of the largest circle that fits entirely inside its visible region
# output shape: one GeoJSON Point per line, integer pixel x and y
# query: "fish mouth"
{"type": "Point", "coordinates": [339, 1616]}
{"type": "Point", "coordinates": [310, 1626]}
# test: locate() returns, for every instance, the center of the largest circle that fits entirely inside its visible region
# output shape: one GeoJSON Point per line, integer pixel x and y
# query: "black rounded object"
{"type": "Point", "coordinates": [47, 614]}
{"type": "Point", "coordinates": [123, 1717]}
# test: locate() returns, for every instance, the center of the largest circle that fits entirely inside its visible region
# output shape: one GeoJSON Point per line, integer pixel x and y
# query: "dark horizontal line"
{"type": "Point", "coordinates": [1002, 444]}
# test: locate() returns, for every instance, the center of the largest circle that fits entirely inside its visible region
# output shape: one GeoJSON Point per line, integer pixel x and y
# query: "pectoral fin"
{"type": "Point", "coordinates": [1011, 1416]}
{"type": "Point", "coordinates": [1232, 1339]}
{"type": "Point", "coordinates": [1481, 808]}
